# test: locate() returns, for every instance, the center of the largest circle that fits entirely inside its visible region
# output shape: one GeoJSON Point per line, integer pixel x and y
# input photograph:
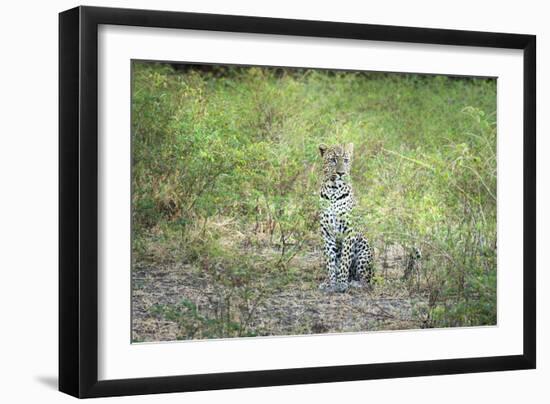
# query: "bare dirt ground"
{"type": "Point", "coordinates": [298, 308]}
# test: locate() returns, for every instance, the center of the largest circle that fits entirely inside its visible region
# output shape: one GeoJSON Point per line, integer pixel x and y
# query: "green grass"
{"type": "Point", "coordinates": [226, 166]}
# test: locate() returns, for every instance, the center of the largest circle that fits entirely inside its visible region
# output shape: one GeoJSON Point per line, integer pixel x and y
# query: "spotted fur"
{"type": "Point", "coordinates": [347, 252]}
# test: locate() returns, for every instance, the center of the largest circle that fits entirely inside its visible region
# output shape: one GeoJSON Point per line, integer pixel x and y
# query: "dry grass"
{"type": "Point", "coordinates": [298, 308]}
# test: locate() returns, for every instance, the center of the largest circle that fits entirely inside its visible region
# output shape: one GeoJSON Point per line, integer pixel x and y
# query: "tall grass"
{"type": "Point", "coordinates": [225, 166]}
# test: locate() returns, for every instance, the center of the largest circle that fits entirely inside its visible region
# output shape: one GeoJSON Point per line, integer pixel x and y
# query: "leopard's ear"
{"type": "Point", "coordinates": [323, 148]}
{"type": "Point", "coordinates": [349, 148]}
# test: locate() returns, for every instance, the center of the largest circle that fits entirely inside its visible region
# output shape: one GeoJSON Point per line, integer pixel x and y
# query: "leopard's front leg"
{"type": "Point", "coordinates": [331, 254]}
{"type": "Point", "coordinates": [346, 261]}
{"type": "Point", "coordinates": [346, 238]}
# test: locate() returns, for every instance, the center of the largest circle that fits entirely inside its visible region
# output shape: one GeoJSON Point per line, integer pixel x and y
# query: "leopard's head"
{"type": "Point", "coordinates": [336, 161]}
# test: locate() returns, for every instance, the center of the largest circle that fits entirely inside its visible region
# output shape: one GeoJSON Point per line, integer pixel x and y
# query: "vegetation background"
{"type": "Point", "coordinates": [225, 175]}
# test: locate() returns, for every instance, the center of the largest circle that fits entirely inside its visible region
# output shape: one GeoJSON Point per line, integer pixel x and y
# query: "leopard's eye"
{"type": "Point", "coordinates": [346, 160]}
{"type": "Point", "coordinates": [333, 161]}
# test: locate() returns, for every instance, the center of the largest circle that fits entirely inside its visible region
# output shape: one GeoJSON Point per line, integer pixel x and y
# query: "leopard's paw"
{"type": "Point", "coordinates": [337, 287]}
{"type": "Point", "coordinates": [326, 286]}
{"type": "Point", "coordinates": [341, 287]}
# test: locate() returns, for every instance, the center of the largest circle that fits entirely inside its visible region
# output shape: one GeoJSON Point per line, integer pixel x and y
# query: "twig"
{"type": "Point", "coordinates": [421, 163]}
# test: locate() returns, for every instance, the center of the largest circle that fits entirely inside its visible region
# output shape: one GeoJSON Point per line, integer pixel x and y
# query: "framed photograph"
{"type": "Point", "coordinates": [251, 201]}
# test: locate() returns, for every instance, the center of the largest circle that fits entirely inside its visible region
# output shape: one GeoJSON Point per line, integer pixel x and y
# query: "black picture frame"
{"type": "Point", "coordinates": [78, 201]}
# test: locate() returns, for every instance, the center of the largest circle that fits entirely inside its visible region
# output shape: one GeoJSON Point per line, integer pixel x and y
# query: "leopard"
{"type": "Point", "coordinates": [348, 254]}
